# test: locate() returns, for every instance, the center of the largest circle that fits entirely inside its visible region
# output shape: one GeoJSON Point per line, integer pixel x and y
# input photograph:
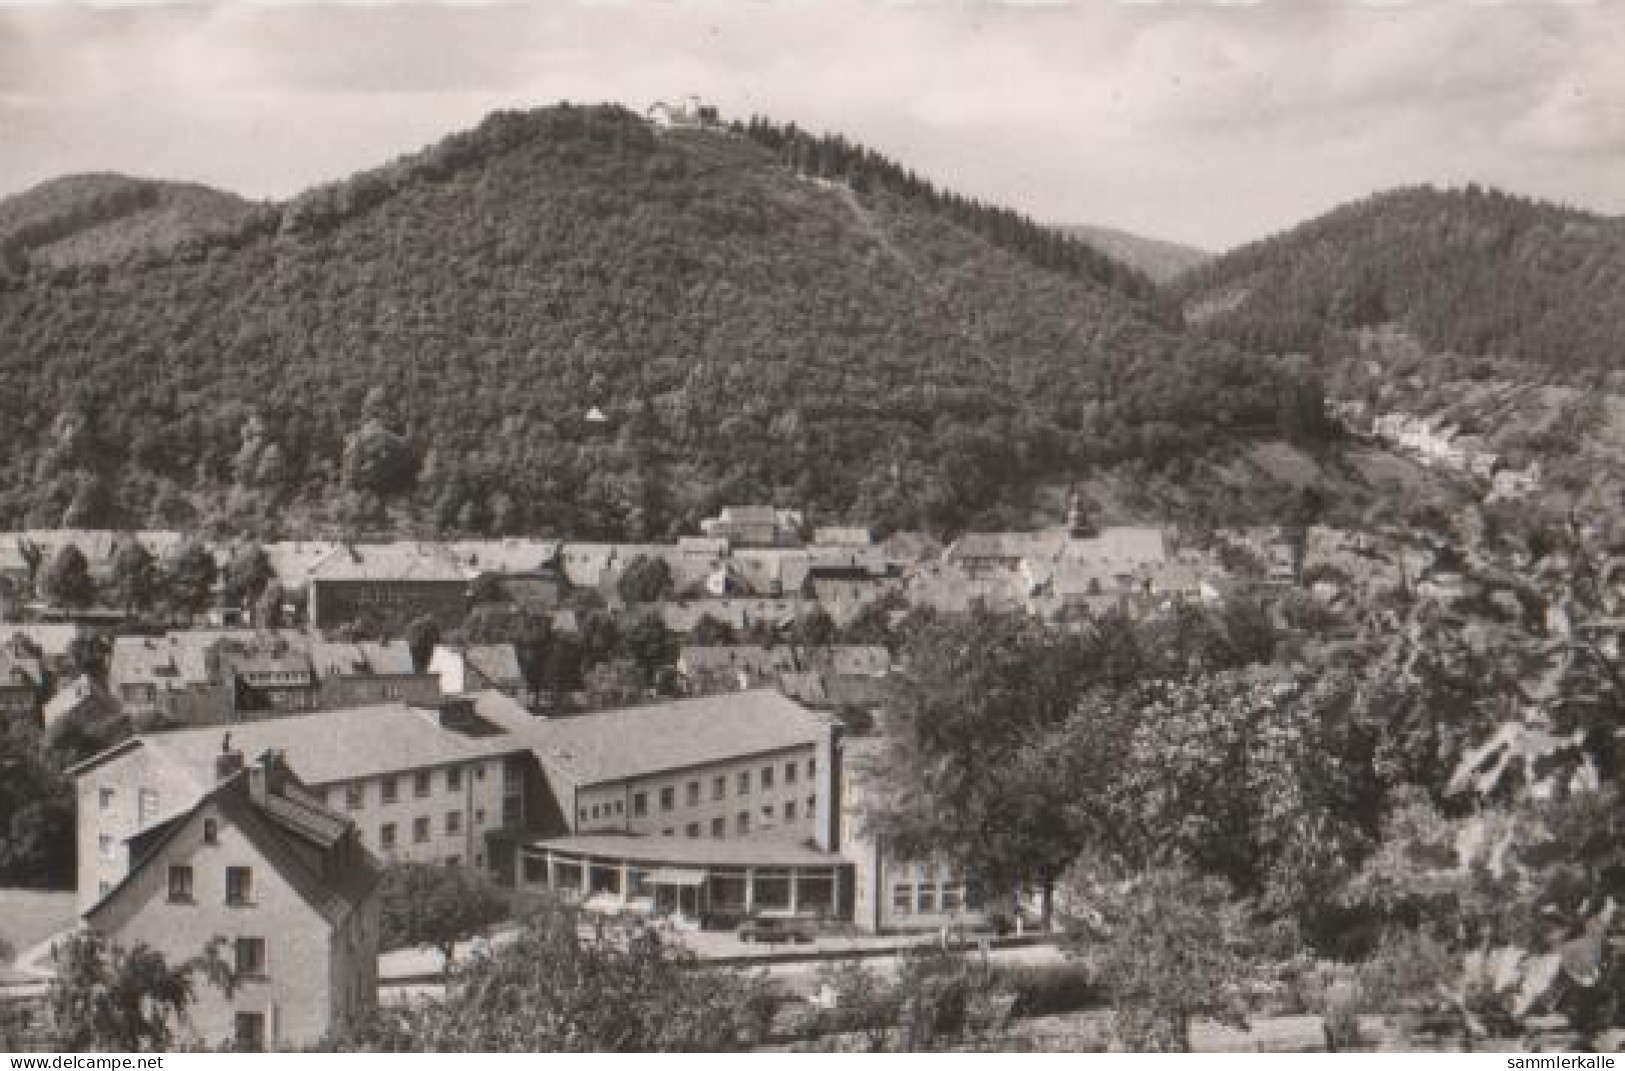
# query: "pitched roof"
{"type": "Point", "coordinates": [505, 555]}
{"type": "Point", "coordinates": [274, 821]}
{"type": "Point", "coordinates": [496, 662]}
{"type": "Point", "coordinates": [336, 745]}
{"type": "Point", "coordinates": [1119, 546]}
{"type": "Point", "coordinates": [389, 561]}
{"type": "Point", "coordinates": [847, 537]}
{"type": "Point", "coordinates": [737, 613]}
{"type": "Point", "coordinates": [52, 640]}
{"type": "Point", "coordinates": [77, 693]}
{"type": "Point", "coordinates": [176, 659]}
{"type": "Point", "coordinates": [617, 744]}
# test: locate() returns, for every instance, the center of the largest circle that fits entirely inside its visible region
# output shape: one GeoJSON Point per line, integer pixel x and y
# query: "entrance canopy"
{"type": "Point", "coordinates": [675, 876]}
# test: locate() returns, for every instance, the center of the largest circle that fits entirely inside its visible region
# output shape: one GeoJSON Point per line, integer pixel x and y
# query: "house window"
{"type": "Point", "coordinates": [595, 810]}
{"type": "Point", "coordinates": [767, 778]}
{"type": "Point", "coordinates": [584, 814]}
{"type": "Point", "coordinates": [767, 812]}
{"type": "Point", "coordinates": [479, 816]}
{"type": "Point", "coordinates": [692, 831]}
{"type": "Point", "coordinates": [390, 790]}
{"type": "Point", "coordinates": [620, 806]}
{"type": "Point", "coordinates": [719, 828]}
{"type": "Point", "coordinates": [420, 830]}
{"type": "Point", "coordinates": [251, 957]}
{"type": "Point", "coordinates": [454, 779]}
{"type": "Point", "coordinates": [454, 823]}
{"type": "Point", "coordinates": [248, 1033]}
{"type": "Point", "coordinates": [742, 823]}
{"type": "Point", "coordinates": [239, 885]}
{"type": "Point", "coordinates": [812, 769]}
{"type": "Point", "coordinates": [744, 782]}
{"type": "Point", "coordinates": [902, 899]}
{"type": "Point", "coordinates": [479, 772]}
{"type": "Point", "coordinates": [668, 798]}
{"type": "Point", "coordinates": [953, 897]}
{"type": "Point", "coordinates": [812, 806]}
{"type": "Point", "coordinates": [789, 810]}
{"type": "Point", "coordinates": [668, 832]}
{"type": "Point", "coordinates": [421, 783]}
{"type": "Point", "coordinates": [927, 899]}
{"type": "Point", "coordinates": [211, 831]}
{"type": "Point", "coordinates": [104, 847]}
{"type": "Point", "coordinates": [355, 797]}
{"type": "Point", "coordinates": [719, 787]}
{"type": "Point", "coordinates": [386, 836]}
{"type": "Point", "coordinates": [693, 793]}
{"type": "Point", "coordinates": [640, 804]}
{"type": "Point", "coordinates": [789, 773]}
{"type": "Point", "coordinates": [104, 798]}
{"type": "Point", "coordinates": [180, 884]}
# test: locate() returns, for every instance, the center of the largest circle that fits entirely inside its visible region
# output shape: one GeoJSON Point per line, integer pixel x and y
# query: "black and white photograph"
{"type": "Point", "coordinates": [812, 526]}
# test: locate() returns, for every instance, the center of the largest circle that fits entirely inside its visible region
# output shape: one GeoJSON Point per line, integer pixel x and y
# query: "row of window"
{"type": "Point", "coordinates": [389, 788]}
{"type": "Point", "coordinates": [422, 828]}
{"type": "Point", "coordinates": [927, 899]}
{"type": "Point", "coordinates": [606, 810]}
{"type": "Point", "coordinates": [742, 820]}
{"type": "Point", "coordinates": [719, 789]}
{"type": "Point", "coordinates": [239, 885]}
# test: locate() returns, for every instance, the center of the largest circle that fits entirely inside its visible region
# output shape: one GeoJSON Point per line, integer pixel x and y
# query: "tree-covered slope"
{"type": "Point", "coordinates": [1161, 261]}
{"type": "Point", "coordinates": [421, 345]}
{"type": "Point", "coordinates": [1471, 271]}
{"type": "Point", "coordinates": [101, 218]}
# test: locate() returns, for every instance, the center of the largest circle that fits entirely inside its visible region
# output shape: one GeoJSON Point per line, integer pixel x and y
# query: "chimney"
{"type": "Point", "coordinates": [265, 777]}
{"type": "Point", "coordinates": [228, 761]}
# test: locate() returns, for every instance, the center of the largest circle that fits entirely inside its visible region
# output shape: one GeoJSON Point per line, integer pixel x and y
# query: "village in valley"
{"type": "Point", "coordinates": [686, 734]}
{"type": "Point", "coordinates": [650, 579]}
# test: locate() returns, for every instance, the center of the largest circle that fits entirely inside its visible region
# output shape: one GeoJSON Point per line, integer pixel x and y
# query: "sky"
{"type": "Point", "coordinates": [1212, 124]}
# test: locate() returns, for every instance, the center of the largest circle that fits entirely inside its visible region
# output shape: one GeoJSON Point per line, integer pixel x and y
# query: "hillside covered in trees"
{"type": "Point", "coordinates": [1471, 271]}
{"type": "Point", "coordinates": [564, 321]}
{"type": "Point", "coordinates": [102, 218]}
{"type": "Point", "coordinates": [1159, 260]}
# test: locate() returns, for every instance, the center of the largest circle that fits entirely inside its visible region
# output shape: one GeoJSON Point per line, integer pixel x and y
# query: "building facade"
{"type": "Point", "coordinates": [419, 784]}
{"type": "Point", "coordinates": [283, 891]}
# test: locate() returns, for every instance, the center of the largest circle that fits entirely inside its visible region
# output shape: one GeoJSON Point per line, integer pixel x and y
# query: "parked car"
{"type": "Point", "coordinates": [771, 930]}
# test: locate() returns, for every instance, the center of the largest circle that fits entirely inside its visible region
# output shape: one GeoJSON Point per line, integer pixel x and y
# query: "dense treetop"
{"type": "Point", "coordinates": [1474, 271]}
{"type": "Point", "coordinates": [760, 315]}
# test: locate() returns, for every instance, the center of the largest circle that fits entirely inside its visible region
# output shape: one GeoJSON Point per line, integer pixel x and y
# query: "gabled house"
{"type": "Point", "coordinates": [478, 667]}
{"type": "Point", "coordinates": [258, 863]}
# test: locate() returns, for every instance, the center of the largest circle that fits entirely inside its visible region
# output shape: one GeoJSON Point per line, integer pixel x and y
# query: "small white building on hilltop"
{"type": "Point", "coordinates": [684, 113]}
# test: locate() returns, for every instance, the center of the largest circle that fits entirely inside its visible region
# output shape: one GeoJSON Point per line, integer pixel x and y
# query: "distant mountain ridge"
{"type": "Point", "coordinates": [1472, 271]}
{"type": "Point", "coordinates": [99, 218]}
{"type": "Point", "coordinates": [1160, 260]}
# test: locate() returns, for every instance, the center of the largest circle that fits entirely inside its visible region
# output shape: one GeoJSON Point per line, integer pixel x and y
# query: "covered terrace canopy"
{"type": "Point", "coordinates": [689, 877]}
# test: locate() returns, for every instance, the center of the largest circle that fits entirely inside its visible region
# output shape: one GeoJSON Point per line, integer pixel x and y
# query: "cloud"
{"type": "Point", "coordinates": [1202, 122]}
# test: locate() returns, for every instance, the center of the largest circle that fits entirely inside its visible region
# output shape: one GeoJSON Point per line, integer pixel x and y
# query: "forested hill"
{"type": "Point", "coordinates": [425, 345]}
{"type": "Point", "coordinates": [102, 218]}
{"type": "Point", "coordinates": [1472, 271]}
{"type": "Point", "coordinates": [1160, 261]}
